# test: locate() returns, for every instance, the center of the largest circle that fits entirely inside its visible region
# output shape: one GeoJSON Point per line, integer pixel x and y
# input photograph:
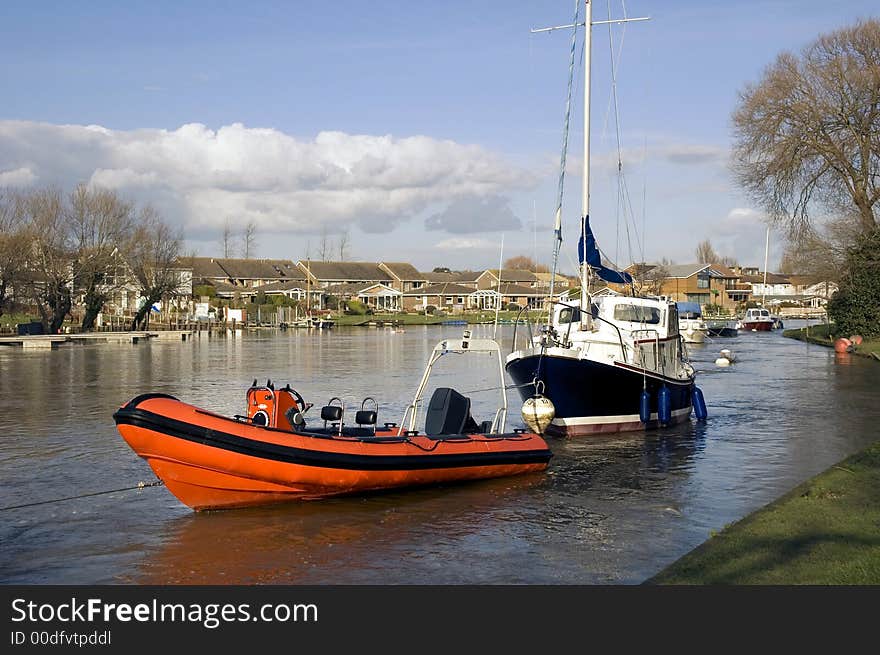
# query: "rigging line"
{"type": "Point", "coordinates": [615, 65]}
{"type": "Point", "coordinates": [557, 226]}
{"type": "Point", "coordinates": [140, 485]}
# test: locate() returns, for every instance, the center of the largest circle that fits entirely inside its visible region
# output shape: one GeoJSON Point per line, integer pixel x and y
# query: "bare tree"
{"type": "Point", "coordinates": [50, 283]}
{"type": "Point", "coordinates": [820, 255]}
{"type": "Point", "coordinates": [324, 246]}
{"type": "Point", "coordinates": [15, 242]}
{"type": "Point", "coordinates": [523, 263]}
{"type": "Point", "coordinates": [152, 255]}
{"type": "Point", "coordinates": [249, 240]}
{"type": "Point", "coordinates": [706, 253]}
{"type": "Point", "coordinates": [649, 278]}
{"type": "Point", "coordinates": [100, 224]}
{"type": "Point", "coordinates": [807, 132]}
{"type": "Point", "coordinates": [226, 238]}
{"type": "Point", "coordinates": [343, 243]}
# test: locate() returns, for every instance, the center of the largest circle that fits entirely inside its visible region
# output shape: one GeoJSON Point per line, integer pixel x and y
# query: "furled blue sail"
{"type": "Point", "coordinates": [590, 255]}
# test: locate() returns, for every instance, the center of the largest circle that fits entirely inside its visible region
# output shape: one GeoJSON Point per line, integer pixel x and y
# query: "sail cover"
{"type": "Point", "coordinates": [588, 252]}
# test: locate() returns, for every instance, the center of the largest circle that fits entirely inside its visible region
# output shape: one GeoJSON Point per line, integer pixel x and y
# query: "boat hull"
{"type": "Point", "coordinates": [758, 326]}
{"type": "Point", "coordinates": [694, 336]}
{"type": "Point", "coordinates": [595, 398]}
{"type": "Point", "coordinates": [210, 461]}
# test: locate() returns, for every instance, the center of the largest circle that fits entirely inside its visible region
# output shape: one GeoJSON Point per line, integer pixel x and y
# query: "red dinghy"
{"type": "Point", "coordinates": [271, 454]}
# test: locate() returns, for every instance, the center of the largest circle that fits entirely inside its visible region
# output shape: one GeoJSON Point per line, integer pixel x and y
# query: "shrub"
{"type": "Point", "coordinates": [513, 307]}
{"type": "Point", "coordinates": [855, 308]}
{"type": "Point", "coordinates": [430, 309]}
{"type": "Point", "coordinates": [356, 307]}
{"type": "Point", "coordinates": [204, 290]}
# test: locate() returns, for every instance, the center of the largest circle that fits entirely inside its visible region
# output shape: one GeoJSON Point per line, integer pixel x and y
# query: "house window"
{"type": "Point", "coordinates": [460, 300]}
{"type": "Point", "coordinates": [701, 298]}
{"type": "Point", "coordinates": [702, 282]}
{"type": "Point", "coordinates": [448, 300]}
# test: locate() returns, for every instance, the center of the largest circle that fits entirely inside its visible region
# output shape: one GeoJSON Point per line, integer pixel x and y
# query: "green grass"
{"type": "Point", "coordinates": [824, 532]}
{"type": "Point", "coordinates": [823, 335]}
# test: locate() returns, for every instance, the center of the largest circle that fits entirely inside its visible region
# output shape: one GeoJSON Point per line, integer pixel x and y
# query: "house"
{"type": "Point", "coordinates": [700, 283]}
{"type": "Point", "coordinates": [464, 278]}
{"type": "Point", "coordinates": [448, 296]}
{"type": "Point", "coordinates": [247, 273]}
{"type": "Point", "coordinates": [404, 277]}
{"type": "Point", "coordinates": [452, 297]}
{"type": "Point", "coordinates": [379, 297]}
{"type": "Point", "coordinates": [488, 279]}
{"type": "Point", "coordinates": [542, 281]}
{"type": "Point", "coordinates": [328, 274]}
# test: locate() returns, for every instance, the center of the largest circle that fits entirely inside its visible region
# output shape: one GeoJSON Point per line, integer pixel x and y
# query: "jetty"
{"type": "Point", "coordinates": [50, 341]}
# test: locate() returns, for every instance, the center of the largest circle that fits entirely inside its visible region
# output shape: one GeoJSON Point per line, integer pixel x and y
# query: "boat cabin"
{"type": "Point", "coordinates": [628, 316]}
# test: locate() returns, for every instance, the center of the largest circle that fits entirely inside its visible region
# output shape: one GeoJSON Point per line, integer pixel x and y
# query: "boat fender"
{"type": "Point", "coordinates": [699, 403]}
{"type": "Point", "coordinates": [645, 406]}
{"type": "Point", "coordinates": [538, 411]}
{"type": "Point", "coordinates": [664, 405]}
{"type": "Point", "coordinates": [722, 361]}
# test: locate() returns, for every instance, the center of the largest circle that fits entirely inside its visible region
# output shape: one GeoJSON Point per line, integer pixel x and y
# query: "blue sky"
{"type": "Point", "coordinates": [429, 131]}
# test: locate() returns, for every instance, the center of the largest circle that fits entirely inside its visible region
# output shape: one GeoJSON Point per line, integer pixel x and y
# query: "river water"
{"type": "Point", "coordinates": [609, 510]}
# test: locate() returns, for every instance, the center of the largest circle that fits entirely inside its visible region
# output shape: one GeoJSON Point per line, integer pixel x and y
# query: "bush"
{"type": "Point", "coordinates": [204, 290]}
{"type": "Point", "coordinates": [855, 308]}
{"type": "Point", "coordinates": [430, 309]}
{"type": "Point", "coordinates": [356, 307]}
{"type": "Point", "coordinates": [513, 307]}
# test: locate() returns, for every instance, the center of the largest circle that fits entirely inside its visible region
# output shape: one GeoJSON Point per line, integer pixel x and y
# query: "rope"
{"type": "Point", "coordinates": [140, 485]}
{"type": "Point", "coordinates": [506, 386]}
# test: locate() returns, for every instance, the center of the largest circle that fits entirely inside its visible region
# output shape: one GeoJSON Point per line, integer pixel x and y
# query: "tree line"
{"type": "Point", "coordinates": [60, 250]}
{"type": "Point", "coordinates": [805, 146]}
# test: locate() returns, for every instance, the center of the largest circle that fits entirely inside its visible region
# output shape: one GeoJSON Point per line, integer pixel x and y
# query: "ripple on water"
{"type": "Point", "coordinates": [609, 509]}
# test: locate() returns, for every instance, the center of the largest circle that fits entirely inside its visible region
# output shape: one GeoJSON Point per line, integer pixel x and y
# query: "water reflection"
{"type": "Point", "coordinates": [507, 530]}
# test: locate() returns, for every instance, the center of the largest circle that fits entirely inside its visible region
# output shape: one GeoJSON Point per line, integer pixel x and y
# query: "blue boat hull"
{"type": "Point", "coordinates": [592, 397]}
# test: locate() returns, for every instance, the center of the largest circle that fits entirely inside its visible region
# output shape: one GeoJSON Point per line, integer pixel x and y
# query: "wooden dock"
{"type": "Point", "coordinates": [50, 341]}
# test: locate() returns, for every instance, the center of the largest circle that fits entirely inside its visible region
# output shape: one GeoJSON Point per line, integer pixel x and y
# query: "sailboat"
{"type": "Point", "coordinates": [758, 319]}
{"type": "Point", "coordinates": [606, 363]}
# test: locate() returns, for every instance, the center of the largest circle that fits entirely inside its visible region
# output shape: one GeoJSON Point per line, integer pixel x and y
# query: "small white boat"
{"type": "Point", "coordinates": [691, 325]}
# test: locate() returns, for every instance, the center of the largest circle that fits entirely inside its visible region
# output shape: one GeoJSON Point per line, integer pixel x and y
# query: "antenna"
{"type": "Point", "coordinates": [498, 298]}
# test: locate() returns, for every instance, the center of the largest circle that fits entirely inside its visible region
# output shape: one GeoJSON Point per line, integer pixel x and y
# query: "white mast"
{"type": "Point", "coordinates": [586, 315]}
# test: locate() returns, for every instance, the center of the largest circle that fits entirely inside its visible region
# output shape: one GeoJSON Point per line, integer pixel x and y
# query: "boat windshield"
{"type": "Point", "coordinates": [637, 314]}
{"type": "Point", "coordinates": [569, 315]}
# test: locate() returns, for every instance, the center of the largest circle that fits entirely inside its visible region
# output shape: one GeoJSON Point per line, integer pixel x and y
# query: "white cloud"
{"type": "Point", "coordinates": [200, 177]}
{"type": "Point", "coordinates": [469, 215]}
{"type": "Point", "coordinates": [23, 176]}
{"type": "Point", "coordinates": [466, 244]}
{"type": "Point", "coordinates": [739, 219]}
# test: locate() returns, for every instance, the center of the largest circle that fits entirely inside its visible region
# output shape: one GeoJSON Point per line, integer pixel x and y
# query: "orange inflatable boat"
{"type": "Point", "coordinates": [272, 454]}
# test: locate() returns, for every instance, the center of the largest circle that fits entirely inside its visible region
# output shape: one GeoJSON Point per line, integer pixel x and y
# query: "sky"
{"type": "Point", "coordinates": [424, 132]}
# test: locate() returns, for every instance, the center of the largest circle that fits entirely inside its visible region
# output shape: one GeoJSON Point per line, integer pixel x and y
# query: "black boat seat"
{"type": "Point", "coordinates": [449, 412]}
{"type": "Point", "coordinates": [365, 417]}
{"type": "Point", "coordinates": [331, 413]}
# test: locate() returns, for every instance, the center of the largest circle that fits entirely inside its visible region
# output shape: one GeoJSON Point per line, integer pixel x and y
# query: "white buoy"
{"type": "Point", "coordinates": [538, 413]}
{"type": "Point", "coordinates": [722, 361]}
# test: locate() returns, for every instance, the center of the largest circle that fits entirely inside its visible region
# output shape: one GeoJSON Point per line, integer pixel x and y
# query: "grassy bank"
{"type": "Point", "coordinates": [823, 335]}
{"type": "Point", "coordinates": [824, 532]}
